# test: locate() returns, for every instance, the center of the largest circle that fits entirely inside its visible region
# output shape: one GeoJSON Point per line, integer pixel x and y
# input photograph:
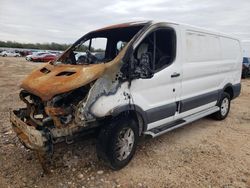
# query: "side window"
{"type": "Point", "coordinates": [165, 48]}
{"type": "Point", "coordinates": [98, 44]}
{"type": "Point", "coordinates": [156, 51]}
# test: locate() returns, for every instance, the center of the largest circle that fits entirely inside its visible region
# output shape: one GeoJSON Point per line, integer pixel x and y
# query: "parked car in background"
{"type": "Point", "coordinates": [34, 54]}
{"type": "Point", "coordinates": [245, 67]}
{"type": "Point", "coordinates": [25, 53]}
{"type": "Point", "coordinates": [83, 55]}
{"type": "Point", "coordinates": [10, 54]}
{"type": "Point", "coordinates": [80, 55]}
{"type": "Point", "coordinates": [55, 53]}
{"type": "Point", "coordinates": [44, 57]}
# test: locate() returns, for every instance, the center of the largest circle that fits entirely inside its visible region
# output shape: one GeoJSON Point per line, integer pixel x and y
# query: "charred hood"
{"type": "Point", "coordinates": [51, 80]}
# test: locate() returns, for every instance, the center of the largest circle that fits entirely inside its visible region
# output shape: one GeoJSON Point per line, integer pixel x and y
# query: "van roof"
{"type": "Point", "coordinates": [187, 26]}
{"type": "Point", "coordinates": [128, 24]}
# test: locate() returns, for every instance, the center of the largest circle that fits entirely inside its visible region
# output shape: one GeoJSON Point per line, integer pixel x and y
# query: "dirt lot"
{"type": "Point", "coordinates": [206, 153]}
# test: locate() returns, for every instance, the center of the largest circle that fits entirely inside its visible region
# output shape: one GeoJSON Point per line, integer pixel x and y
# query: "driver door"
{"type": "Point", "coordinates": [158, 93]}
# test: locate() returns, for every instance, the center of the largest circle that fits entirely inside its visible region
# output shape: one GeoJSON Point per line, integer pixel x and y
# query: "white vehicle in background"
{"type": "Point", "coordinates": [83, 55]}
{"type": "Point", "coordinates": [9, 54]}
{"type": "Point", "coordinates": [166, 76]}
{"type": "Point", "coordinates": [80, 55]}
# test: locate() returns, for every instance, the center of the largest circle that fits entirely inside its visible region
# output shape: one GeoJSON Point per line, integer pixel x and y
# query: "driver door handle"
{"type": "Point", "coordinates": [175, 74]}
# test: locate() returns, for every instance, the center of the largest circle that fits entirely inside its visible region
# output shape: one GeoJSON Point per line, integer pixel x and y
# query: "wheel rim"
{"type": "Point", "coordinates": [224, 106]}
{"type": "Point", "coordinates": [125, 143]}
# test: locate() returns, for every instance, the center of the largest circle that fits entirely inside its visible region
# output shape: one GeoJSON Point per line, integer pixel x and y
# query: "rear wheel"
{"type": "Point", "coordinates": [117, 142]}
{"type": "Point", "coordinates": [224, 105]}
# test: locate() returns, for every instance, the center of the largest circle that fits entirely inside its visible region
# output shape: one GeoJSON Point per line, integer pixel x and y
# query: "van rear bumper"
{"type": "Point", "coordinates": [236, 90]}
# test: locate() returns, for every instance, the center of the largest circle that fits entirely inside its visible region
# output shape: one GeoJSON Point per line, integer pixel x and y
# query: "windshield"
{"type": "Point", "coordinates": [99, 46]}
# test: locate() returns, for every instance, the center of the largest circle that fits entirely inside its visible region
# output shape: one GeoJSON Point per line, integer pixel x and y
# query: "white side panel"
{"type": "Point", "coordinates": [202, 47]}
{"type": "Point", "coordinates": [211, 62]}
{"type": "Point", "coordinates": [232, 54]}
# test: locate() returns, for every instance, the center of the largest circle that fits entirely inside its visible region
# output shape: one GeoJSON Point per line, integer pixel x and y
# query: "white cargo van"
{"type": "Point", "coordinates": [153, 78]}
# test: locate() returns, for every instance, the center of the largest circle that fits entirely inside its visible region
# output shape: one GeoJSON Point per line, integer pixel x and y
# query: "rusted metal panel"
{"type": "Point", "coordinates": [52, 111]}
{"type": "Point", "coordinates": [48, 85]}
{"type": "Point", "coordinates": [31, 137]}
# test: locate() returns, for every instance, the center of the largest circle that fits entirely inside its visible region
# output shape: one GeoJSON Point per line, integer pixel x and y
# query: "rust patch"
{"type": "Point", "coordinates": [52, 111]}
{"type": "Point", "coordinates": [47, 85]}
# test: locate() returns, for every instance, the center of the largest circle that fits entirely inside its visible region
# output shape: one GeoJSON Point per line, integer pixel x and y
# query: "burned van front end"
{"type": "Point", "coordinates": [60, 97]}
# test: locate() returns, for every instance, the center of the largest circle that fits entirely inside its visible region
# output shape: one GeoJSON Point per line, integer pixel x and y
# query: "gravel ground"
{"type": "Point", "coordinates": [205, 153]}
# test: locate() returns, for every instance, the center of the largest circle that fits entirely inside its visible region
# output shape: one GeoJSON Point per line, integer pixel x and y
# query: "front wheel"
{"type": "Point", "coordinates": [224, 105]}
{"type": "Point", "coordinates": [117, 142]}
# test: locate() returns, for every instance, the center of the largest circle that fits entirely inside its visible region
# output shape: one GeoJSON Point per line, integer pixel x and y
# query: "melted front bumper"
{"type": "Point", "coordinates": [29, 136]}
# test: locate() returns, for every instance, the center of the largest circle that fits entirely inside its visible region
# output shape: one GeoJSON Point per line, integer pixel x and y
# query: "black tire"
{"type": "Point", "coordinates": [108, 138]}
{"type": "Point", "coordinates": [4, 55]}
{"type": "Point", "coordinates": [222, 113]}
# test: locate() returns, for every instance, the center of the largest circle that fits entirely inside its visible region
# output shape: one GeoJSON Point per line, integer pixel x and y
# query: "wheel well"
{"type": "Point", "coordinates": [229, 90]}
{"type": "Point", "coordinates": [136, 116]}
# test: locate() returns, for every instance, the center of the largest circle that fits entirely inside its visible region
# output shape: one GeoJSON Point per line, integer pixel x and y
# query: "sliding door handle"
{"type": "Point", "coordinates": [175, 74]}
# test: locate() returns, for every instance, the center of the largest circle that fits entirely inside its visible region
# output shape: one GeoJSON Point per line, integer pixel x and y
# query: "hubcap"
{"type": "Point", "coordinates": [125, 143]}
{"type": "Point", "coordinates": [224, 106]}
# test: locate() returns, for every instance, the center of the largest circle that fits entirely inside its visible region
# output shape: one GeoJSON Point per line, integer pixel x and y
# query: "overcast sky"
{"type": "Point", "coordinates": [64, 21]}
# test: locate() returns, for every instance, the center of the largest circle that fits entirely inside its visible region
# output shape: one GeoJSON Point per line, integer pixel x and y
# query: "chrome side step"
{"type": "Point", "coordinates": [179, 123]}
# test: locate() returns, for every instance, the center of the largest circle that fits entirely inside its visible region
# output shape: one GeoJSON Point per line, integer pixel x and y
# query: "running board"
{"type": "Point", "coordinates": [179, 123]}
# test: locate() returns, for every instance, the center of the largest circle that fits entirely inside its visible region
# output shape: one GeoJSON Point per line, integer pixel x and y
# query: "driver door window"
{"type": "Point", "coordinates": [158, 48]}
